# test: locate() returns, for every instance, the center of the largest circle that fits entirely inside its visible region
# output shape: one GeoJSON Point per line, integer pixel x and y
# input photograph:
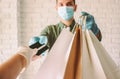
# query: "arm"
{"type": "Point", "coordinates": [13, 66]}
{"type": "Point", "coordinates": [40, 43]}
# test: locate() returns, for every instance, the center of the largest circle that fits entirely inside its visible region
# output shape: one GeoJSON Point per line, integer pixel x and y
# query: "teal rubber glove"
{"type": "Point", "coordinates": [90, 23]}
{"type": "Point", "coordinates": [41, 39]}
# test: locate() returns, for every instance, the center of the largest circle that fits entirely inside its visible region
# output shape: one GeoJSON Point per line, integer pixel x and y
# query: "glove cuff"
{"type": "Point", "coordinates": [26, 52]}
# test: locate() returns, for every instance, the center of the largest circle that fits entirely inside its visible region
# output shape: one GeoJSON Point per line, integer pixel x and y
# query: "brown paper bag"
{"type": "Point", "coordinates": [74, 67]}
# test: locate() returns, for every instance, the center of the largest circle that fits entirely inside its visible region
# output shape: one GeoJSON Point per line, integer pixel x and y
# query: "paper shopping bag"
{"type": "Point", "coordinates": [92, 68]}
{"type": "Point", "coordinates": [74, 67]}
{"type": "Point", "coordinates": [55, 63]}
{"type": "Point", "coordinates": [109, 66]}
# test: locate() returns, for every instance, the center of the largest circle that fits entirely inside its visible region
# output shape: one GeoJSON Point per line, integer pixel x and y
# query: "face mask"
{"type": "Point", "coordinates": [65, 12]}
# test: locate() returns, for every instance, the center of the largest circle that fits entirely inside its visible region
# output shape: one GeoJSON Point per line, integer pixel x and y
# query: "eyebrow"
{"type": "Point", "coordinates": [69, 2]}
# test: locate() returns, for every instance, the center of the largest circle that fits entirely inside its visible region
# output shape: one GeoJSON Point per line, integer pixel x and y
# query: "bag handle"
{"type": "Point", "coordinates": [82, 22]}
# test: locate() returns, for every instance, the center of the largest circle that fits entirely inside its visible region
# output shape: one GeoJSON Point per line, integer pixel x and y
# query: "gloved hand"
{"type": "Point", "coordinates": [27, 53]}
{"type": "Point", "coordinates": [37, 41]}
{"type": "Point", "coordinates": [90, 22]}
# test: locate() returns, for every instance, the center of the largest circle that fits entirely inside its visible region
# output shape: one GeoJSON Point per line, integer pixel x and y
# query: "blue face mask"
{"type": "Point", "coordinates": [65, 12]}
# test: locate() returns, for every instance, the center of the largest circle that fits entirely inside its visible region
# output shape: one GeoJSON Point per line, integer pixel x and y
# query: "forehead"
{"type": "Point", "coordinates": [64, 1]}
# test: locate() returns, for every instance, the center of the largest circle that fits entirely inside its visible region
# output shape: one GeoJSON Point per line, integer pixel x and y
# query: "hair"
{"type": "Point", "coordinates": [73, 0]}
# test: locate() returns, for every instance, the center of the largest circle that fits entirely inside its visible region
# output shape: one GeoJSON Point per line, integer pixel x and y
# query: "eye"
{"type": "Point", "coordinates": [69, 4]}
{"type": "Point", "coordinates": [60, 4]}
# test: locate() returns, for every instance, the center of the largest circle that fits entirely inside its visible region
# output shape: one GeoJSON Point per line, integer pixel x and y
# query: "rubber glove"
{"type": "Point", "coordinates": [42, 40]}
{"type": "Point", "coordinates": [90, 22]}
{"type": "Point", "coordinates": [37, 42]}
{"type": "Point", "coordinates": [27, 53]}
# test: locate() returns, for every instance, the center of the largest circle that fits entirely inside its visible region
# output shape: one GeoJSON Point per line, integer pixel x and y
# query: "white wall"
{"type": "Point", "coordinates": [8, 29]}
{"type": "Point", "coordinates": [19, 24]}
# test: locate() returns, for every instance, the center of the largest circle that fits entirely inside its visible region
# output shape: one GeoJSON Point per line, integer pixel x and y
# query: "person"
{"type": "Point", "coordinates": [11, 68]}
{"type": "Point", "coordinates": [66, 9]}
